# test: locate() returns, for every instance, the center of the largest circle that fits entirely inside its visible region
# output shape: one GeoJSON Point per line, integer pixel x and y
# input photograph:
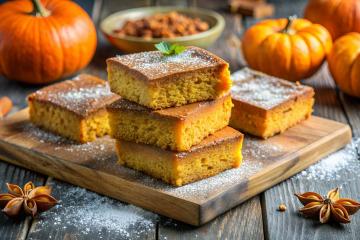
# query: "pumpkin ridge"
{"type": "Point", "coordinates": [355, 18]}
{"type": "Point", "coordinates": [352, 80]}
{"type": "Point", "coordinates": [268, 40]}
{"type": "Point", "coordinates": [312, 61]}
{"type": "Point", "coordinates": [283, 38]}
{"type": "Point", "coordinates": [12, 47]}
{"type": "Point", "coordinates": [50, 23]}
{"type": "Point", "coordinates": [4, 22]}
{"type": "Point", "coordinates": [69, 67]}
{"type": "Point", "coordinates": [37, 64]}
{"type": "Point", "coordinates": [289, 67]}
{"type": "Point", "coordinates": [335, 9]}
{"type": "Point", "coordinates": [295, 42]}
{"type": "Point", "coordinates": [43, 39]}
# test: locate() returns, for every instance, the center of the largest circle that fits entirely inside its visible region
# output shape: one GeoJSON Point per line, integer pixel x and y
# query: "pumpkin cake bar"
{"type": "Point", "coordinates": [216, 153]}
{"type": "Point", "coordinates": [74, 109]}
{"type": "Point", "coordinates": [176, 128]}
{"type": "Point", "coordinates": [157, 81]}
{"type": "Point", "coordinates": [265, 105]}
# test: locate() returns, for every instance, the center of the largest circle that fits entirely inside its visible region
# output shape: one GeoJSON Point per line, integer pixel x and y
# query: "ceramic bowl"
{"type": "Point", "coordinates": [129, 44]}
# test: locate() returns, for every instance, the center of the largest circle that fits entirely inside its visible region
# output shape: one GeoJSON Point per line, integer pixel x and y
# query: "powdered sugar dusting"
{"type": "Point", "coordinates": [43, 136]}
{"type": "Point", "coordinates": [99, 148]}
{"type": "Point", "coordinates": [261, 90]}
{"type": "Point", "coordinates": [82, 95]}
{"type": "Point", "coordinates": [87, 214]}
{"type": "Point", "coordinates": [204, 188]}
{"type": "Point", "coordinates": [81, 99]}
{"type": "Point", "coordinates": [154, 64]}
{"type": "Point", "coordinates": [335, 166]}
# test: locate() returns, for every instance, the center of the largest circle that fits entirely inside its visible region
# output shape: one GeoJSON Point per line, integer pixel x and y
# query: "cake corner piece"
{"type": "Point", "coordinates": [265, 106]}
{"type": "Point", "coordinates": [73, 109]}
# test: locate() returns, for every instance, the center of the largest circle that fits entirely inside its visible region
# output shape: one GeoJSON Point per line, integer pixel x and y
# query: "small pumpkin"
{"type": "Point", "coordinates": [338, 16]}
{"type": "Point", "coordinates": [42, 41]}
{"type": "Point", "coordinates": [291, 48]}
{"type": "Point", "coordinates": [344, 63]}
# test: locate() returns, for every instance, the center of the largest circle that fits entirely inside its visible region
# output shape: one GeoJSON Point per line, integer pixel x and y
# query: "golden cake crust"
{"type": "Point", "coordinates": [180, 113]}
{"type": "Point", "coordinates": [153, 66]}
{"type": "Point", "coordinates": [83, 95]}
{"type": "Point", "coordinates": [261, 93]}
{"type": "Point", "coordinates": [266, 105]}
{"type": "Point", "coordinates": [226, 134]}
{"type": "Point", "coordinates": [176, 128]}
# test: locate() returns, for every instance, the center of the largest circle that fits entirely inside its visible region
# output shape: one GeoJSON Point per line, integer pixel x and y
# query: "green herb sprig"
{"type": "Point", "coordinates": [169, 49]}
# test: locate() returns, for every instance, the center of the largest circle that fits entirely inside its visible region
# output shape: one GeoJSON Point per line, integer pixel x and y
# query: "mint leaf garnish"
{"type": "Point", "coordinates": [169, 49]}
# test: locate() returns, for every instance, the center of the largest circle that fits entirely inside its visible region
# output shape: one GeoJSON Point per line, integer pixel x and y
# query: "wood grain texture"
{"type": "Point", "coordinates": [23, 144]}
{"type": "Point", "coordinates": [351, 106]}
{"type": "Point", "coordinates": [231, 225]}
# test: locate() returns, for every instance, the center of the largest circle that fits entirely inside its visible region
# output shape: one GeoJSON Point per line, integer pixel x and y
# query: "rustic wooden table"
{"type": "Point", "coordinates": [255, 219]}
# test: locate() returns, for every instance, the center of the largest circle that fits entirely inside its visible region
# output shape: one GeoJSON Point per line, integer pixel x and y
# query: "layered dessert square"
{"type": "Point", "coordinates": [75, 109]}
{"type": "Point", "coordinates": [176, 128]}
{"type": "Point", "coordinates": [216, 153]}
{"type": "Point", "coordinates": [265, 105]}
{"type": "Point", "coordinates": [157, 81]}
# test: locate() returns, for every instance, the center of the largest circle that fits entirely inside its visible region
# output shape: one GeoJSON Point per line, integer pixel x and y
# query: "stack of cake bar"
{"type": "Point", "coordinates": [171, 121]}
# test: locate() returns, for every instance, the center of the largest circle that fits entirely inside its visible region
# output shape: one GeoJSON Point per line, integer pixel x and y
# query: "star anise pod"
{"type": "Point", "coordinates": [331, 207]}
{"type": "Point", "coordinates": [31, 199]}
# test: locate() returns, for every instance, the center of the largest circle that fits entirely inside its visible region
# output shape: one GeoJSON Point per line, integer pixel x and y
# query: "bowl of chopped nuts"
{"type": "Point", "coordinates": [139, 29]}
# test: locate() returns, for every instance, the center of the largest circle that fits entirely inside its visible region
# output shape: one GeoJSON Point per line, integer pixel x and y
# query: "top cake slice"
{"type": "Point", "coordinates": [157, 81]}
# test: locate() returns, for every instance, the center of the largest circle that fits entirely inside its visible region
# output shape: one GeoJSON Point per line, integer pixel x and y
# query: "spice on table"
{"type": "Point", "coordinates": [30, 199]}
{"type": "Point", "coordinates": [5, 106]}
{"type": "Point", "coordinates": [331, 207]}
{"type": "Point", "coordinates": [282, 208]}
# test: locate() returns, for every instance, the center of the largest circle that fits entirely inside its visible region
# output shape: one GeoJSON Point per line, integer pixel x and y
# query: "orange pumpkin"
{"type": "Point", "coordinates": [44, 41]}
{"type": "Point", "coordinates": [292, 49]}
{"type": "Point", "coordinates": [338, 16]}
{"type": "Point", "coordinates": [344, 63]}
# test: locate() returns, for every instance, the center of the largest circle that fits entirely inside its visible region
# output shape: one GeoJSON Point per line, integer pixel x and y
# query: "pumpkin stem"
{"type": "Point", "coordinates": [39, 9]}
{"type": "Point", "coordinates": [290, 20]}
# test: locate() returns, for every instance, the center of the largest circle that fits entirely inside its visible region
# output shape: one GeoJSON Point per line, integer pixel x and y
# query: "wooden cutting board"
{"type": "Point", "coordinates": [93, 166]}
